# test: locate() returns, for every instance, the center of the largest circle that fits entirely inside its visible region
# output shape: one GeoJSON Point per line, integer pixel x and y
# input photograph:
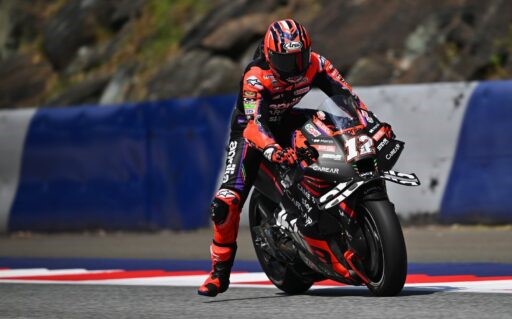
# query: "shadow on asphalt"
{"type": "Point", "coordinates": [277, 295]}
{"type": "Point", "coordinates": [348, 292]}
{"type": "Point", "coordinates": [363, 292]}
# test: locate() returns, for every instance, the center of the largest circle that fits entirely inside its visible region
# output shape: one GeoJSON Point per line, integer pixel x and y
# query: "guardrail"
{"type": "Point", "coordinates": [155, 165]}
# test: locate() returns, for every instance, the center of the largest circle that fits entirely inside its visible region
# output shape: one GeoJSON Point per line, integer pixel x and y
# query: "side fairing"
{"type": "Point", "coordinates": [331, 164]}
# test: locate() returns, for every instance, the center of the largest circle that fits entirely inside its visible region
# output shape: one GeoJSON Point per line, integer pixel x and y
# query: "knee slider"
{"type": "Point", "coordinates": [225, 200]}
{"type": "Point", "coordinates": [218, 211]}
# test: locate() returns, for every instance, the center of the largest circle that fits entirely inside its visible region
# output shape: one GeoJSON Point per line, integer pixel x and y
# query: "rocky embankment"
{"type": "Point", "coordinates": [68, 52]}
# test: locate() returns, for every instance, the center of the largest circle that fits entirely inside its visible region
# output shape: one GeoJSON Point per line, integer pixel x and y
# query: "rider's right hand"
{"type": "Point", "coordinates": [276, 154]}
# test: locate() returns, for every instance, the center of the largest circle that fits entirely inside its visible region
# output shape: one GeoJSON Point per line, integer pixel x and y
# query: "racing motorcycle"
{"type": "Point", "coordinates": [329, 216]}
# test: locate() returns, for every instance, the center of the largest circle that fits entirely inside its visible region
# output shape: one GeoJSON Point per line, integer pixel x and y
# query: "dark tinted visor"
{"type": "Point", "coordinates": [290, 63]}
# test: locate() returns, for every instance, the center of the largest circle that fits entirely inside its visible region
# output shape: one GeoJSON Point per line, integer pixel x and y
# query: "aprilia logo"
{"type": "Point", "coordinates": [230, 167]}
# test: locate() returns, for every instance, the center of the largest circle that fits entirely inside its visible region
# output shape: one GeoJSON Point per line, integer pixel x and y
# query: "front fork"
{"type": "Point", "coordinates": [357, 247]}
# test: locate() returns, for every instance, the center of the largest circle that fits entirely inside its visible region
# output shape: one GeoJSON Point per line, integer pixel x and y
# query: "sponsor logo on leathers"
{"type": "Point", "coordinates": [226, 193]}
{"type": "Point", "coordinates": [230, 166]}
{"type": "Point", "coordinates": [255, 82]}
{"type": "Point", "coordinates": [249, 94]}
{"type": "Point", "coordinates": [301, 91]}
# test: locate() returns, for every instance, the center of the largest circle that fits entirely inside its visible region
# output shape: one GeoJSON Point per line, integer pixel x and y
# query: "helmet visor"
{"type": "Point", "coordinates": [290, 64]}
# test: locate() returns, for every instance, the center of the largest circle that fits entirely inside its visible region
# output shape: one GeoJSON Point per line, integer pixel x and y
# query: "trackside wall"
{"type": "Point", "coordinates": [155, 165]}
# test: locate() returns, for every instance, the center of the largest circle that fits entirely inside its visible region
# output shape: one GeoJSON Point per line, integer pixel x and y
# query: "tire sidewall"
{"type": "Point", "coordinates": [394, 254]}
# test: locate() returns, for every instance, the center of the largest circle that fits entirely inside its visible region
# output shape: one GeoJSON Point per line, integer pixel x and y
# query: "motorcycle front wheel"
{"type": "Point", "coordinates": [282, 274]}
{"type": "Point", "coordinates": [385, 260]}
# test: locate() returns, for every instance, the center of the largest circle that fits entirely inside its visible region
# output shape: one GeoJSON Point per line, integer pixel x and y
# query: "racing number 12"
{"type": "Point", "coordinates": [365, 144]}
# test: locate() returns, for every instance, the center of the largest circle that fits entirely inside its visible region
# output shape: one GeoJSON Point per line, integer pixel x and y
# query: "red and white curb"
{"type": "Point", "coordinates": [458, 283]}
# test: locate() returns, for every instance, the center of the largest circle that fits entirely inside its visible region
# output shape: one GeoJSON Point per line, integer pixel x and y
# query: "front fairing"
{"type": "Point", "coordinates": [336, 128]}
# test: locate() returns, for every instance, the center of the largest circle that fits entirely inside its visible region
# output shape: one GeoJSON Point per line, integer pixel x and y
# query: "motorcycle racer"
{"type": "Point", "coordinates": [283, 71]}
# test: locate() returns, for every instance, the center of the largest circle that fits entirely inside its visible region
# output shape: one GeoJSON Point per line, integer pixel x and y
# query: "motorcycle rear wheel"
{"type": "Point", "coordinates": [282, 274]}
{"type": "Point", "coordinates": [385, 263]}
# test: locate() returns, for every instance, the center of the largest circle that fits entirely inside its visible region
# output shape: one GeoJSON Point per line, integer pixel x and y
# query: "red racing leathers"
{"type": "Point", "coordinates": [262, 117]}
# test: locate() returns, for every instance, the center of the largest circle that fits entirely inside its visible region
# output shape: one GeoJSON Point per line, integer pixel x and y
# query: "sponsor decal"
{"type": "Point", "coordinates": [336, 157]}
{"type": "Point", "coordinates": [285, 105]}
{"type": "Point", "coordinates": [374, 128]}
{"type": "Point", "coordinates": [312, 130]}
{"type": "Point", "coordinates": [280, 106]}
{"type": "Point", "coordinates": [323, 141]}
{"type": "Point", "coordinates": [322, 126]}
{"type": "Point", "coordinates": [230, 166]}
{"type": "Point", "coordinates": [301, 91]}
{"type": "Point", "coordinates": [277, 112]}
{"type": "Point", "coordinates": [297, 204]}
{"type": "Point", "coordinates": [255, 82]}
{"type": "Point", "coordinates": [325, 148]}
{"type": "Point", "coordinates": [249, 94]}
{"type": "Point", "coordinates": [393, 152]}
{"type": "Point", "coordinates": [296, 79]}
{"type": "Point", "coordinates": [367, 174]}
{"type": "Point", "coordinates": [383, 143]}
{"type": "Point", "coordinates": [380, 133]}
{"type": "Point", "coordinates": [226, 193]}
{"type": "Point", "coordinates": [306, 205]}
{"type": "Point", "coordinates": [330, 170]}
{"type": "Point", "coordinates": [249, 106]}
{"type": "Point", "coordinates": [292, 46]}
{"type": "Point", "coordinates": [304, 191]}
{"type": "Point", "coordinates": [304, 79]}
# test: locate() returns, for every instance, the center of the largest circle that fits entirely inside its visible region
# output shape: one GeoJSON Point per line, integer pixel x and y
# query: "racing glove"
{"type": "Point", "coordinates": [308, 154]}
{"type": "Point", "coordinates": [277, 154]}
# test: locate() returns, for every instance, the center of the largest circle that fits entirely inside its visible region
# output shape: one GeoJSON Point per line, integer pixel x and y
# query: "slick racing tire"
{"type": "Point", "coordinates": [282, 274]}
{"type": "Point", "coordinates": [385, 263]}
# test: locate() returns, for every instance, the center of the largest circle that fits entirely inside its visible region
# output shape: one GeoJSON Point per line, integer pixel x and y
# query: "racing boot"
{"type": "Point", "coordinates": [225, 213]}
{"type": "Point", "coordinates": [218, 279]}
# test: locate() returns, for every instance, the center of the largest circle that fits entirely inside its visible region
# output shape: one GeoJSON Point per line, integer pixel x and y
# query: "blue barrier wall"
{"type": "Point", "coordinates": [479, 188]}
{"type": "Point", "coordinates": [155, 165]}
{"type": "Point", "coordinates": [133, 167]}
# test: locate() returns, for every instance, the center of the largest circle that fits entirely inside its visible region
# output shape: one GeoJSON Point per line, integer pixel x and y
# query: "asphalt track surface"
{"type": "Point", "coordinates": [450, 245]}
